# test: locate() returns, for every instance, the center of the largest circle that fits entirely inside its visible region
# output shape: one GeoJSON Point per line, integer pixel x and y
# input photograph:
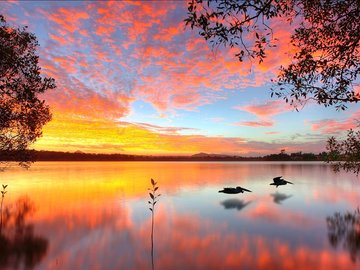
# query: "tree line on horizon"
{"type": "Point", "coordinates": [81, 156]}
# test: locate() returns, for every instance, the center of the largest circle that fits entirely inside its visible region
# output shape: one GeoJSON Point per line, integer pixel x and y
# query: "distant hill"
{"type": "Point", "coordinates": [200, 155]}
{"type": "Point", "coordinates": [206, 155]}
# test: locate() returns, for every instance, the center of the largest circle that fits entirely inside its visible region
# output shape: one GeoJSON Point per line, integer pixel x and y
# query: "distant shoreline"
{"type": "Point", "coordinates": [189, 161]}
{"type": "Point", "coordinates": [80, 156]}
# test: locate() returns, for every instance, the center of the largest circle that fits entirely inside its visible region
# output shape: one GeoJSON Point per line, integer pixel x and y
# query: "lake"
{"type": "Point", "coordinates": [95, 215]}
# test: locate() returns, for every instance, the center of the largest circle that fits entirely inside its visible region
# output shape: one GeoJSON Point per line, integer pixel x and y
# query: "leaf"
{"type": "Point", "coordinates": [151, 195]}
{"type": "Point", "coordinates": [4, 186]}
{"type": "Point", "coordinates": [151, 209]}
{"type": "Point", "coordinates": [156, 188]}
{"type": "Point", "coordinates": [152, 182]}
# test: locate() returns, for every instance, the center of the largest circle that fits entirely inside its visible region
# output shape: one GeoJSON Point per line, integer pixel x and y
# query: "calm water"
{"type": "Point", "coordinates": [82, 215]}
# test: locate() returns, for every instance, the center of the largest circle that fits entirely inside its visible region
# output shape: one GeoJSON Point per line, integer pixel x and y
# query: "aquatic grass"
{"type": "Point", "coordinates": [154, 198]}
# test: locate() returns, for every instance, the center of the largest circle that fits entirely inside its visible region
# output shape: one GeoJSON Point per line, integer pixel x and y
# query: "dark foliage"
{"type": "Point", "coordinates": [345, 154]}
{"type": "Point", "coordinates": [326, 64]}
{"type": "Point", "coordinates": [22, 113]}
{"type": "Point", "coordinates": [239, 24]}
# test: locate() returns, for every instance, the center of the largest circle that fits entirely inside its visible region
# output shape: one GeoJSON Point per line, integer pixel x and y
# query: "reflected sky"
{"type": "Point", "coordinates": [94, 215]}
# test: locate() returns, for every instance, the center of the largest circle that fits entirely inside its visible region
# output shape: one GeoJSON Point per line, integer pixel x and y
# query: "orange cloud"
{"type": "Point", "coordinates": [168, 33]}
{"type": "Point", "coordinates": [67, 18]}
{"type": "Point", "coordinates": [104, 30]}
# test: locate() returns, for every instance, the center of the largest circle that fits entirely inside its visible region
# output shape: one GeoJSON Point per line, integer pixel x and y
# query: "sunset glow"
{"type": "Point", "coordinates": [132, 79]}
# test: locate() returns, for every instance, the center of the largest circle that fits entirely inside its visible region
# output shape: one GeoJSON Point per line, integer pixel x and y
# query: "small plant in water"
{"type": "Point", "coordinates": [154, 199]}
{"type": "Point", "coordinates": [153, 196]}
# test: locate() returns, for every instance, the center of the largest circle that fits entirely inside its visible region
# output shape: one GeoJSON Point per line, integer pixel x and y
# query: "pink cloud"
{"type": "Point", "coordinates": [196, 44]}
{"type": "Point", "coordinates": [163, 130]}
{"type": "Point", "coordinates": [331, 126]}
{"type": "Point", "coordinates": [60, 39]}
{"type": "Point", "coordinates": [272, 132]}
{"type": "Point", "coordinates": [263, 112]}
{"type": "Point", "coordinates": [261, 123]}
{"type": "Point", "coordinates": [267, 109]}
{"type": "Point", "coordinates": [357, 90]}
{"type": "Point", "coordinates": [84, 32]}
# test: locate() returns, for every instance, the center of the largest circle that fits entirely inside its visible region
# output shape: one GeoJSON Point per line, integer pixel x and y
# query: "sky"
{"type": "Point", "coordinates": [132, 79]}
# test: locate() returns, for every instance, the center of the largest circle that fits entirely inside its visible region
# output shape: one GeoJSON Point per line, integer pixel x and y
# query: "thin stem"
{"type": "Point", "coordinates": [152, 202]}
{"type": "Point", "coordinates": [152, 240]}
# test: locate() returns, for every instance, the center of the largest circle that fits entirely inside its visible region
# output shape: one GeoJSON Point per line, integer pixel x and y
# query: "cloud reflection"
{"type": "Point", "coordinates": [95, 216]}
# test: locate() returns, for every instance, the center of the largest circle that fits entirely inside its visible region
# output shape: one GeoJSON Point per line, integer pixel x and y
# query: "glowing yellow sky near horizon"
{"type": "Point", "coordinates": [105, 136]}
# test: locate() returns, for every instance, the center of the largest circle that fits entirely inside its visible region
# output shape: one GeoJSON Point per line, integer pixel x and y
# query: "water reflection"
{"type": "Point", "coordinates": [19, 246]}
{"type": "Point", "coordinates": [345, 229]}
{"type": "Point", "coordinates": [279, 197]}
{"type": "Point", "coordinates": [235, 204]}
{"type": "Point", "coordinates": [99, 218]}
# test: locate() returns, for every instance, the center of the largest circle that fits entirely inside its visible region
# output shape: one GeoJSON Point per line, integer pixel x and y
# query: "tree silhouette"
{"type": "Point", "coordinates": [326, 65]}
{"type": "Point", "coordinates": [22, 113]}
{"type": "Point", "coordinates": [345, 154]}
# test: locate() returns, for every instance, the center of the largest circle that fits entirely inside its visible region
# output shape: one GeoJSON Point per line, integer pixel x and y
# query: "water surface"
{"type": "Point", "coordinates": [94, 215]}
